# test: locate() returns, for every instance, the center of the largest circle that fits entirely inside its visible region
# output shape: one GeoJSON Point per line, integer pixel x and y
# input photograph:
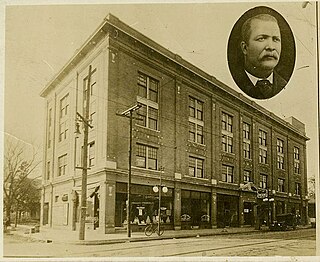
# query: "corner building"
{"type": "Point", "coordinates": [206, 143]}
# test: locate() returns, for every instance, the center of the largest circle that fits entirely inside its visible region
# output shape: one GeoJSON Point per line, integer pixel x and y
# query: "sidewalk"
{"type": "Point", "coordinates": [98, 238]}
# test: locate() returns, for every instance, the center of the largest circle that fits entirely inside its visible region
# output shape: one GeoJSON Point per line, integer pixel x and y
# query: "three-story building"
{"type": "Point", "coordinates": [204, 141]}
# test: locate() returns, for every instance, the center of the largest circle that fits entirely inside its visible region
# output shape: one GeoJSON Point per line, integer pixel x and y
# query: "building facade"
{"type": "Point", "coordinates": [210, 146]}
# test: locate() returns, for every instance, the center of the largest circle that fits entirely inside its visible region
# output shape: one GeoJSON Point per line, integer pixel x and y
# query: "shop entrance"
{"type": "Point", "coordinates": [227, 211]}
{"type": "Point", "coordinates": [248, 213]}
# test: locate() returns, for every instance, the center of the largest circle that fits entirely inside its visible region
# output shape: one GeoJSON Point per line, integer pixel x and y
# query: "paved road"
{"type": "Point", "coordinates": [289, 243]}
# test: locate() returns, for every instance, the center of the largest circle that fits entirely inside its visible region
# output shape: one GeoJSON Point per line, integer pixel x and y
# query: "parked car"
{"type": "Point", "coordinates": [313, 222]}
{"type": "Point", "coordinates": [284, 222]}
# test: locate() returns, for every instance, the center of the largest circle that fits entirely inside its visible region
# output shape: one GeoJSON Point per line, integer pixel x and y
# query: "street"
{"type": "Point", "coordinates": [288, 243]}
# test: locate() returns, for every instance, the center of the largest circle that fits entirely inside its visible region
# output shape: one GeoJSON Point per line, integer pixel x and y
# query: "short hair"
{"type": "Point", "coordinates": [246, 27]}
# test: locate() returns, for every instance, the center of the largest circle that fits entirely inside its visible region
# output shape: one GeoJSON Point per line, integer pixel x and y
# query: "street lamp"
{"type": "Point", "coordinates": [157, 189]}
{"type": "Point", "coordinates": [129, 114]}
{"type": "Point", "coordinates": [269, 200]}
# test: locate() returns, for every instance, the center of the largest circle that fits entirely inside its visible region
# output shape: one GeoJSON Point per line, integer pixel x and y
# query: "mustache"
{"type": "Point", "coordinates": [273, 54]}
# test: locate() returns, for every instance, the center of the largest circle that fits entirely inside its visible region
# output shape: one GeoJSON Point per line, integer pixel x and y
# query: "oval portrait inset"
{"type": "Point", "coordinates": [261, 52]}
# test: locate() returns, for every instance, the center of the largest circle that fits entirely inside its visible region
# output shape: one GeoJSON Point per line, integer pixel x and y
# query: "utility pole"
{"type": "Point", "coordinates": [85, 120]}
{"type": "Point", "coordinates": [129, 113]}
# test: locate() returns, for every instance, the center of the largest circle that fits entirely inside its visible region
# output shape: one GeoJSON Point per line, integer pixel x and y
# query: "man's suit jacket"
{"type": "Point", "coordinates": [247, 86]}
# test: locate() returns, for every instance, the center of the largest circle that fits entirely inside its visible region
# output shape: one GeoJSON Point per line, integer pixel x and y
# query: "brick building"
{"type": "Point", "coordinates": [210, 145]}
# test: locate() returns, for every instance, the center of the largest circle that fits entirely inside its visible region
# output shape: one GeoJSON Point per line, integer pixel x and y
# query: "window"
{"type": "Point", "coordinates": [263, 181]}
{"type": "Point", "coordinates": [247, 176]}
{"type": "Point", "coordinates": [64, 106]}
{"type": "Point", "coordinates": [91, 154]}
{"type": "Point", "coordinates": [196, 133]}
{"type": "Point", "coordinates": [63, 120]}
{"type": "Point", "coordinates": [297, 189]}
{"type": "Point", "coordinates": [296, 159]}
{"type": "Point", "coordinates": [148, 99]}
{"type": "Point", "coordinates": [263, 147]}
{"type": "Point", "coordinates": [148, 87]}
{"type": "Point", "coordinates": [196, 167]}
{"type": "Point", "coordinates": [246, 131]}
{"type": "Point", "coordinates": [262, 138]}
{"type": "Point", "coordinates": [280, 185]}
{"type": "Point", "coordinates": [147, 157]}
{"type": "Point", "coordinates": [93, 85]}
{"type": "Point", "coordinates": [62, 165]}
{"type": "Point", "coordinates": [49, 127]}
{"type": "Point", "coordinates": [48, 171]}
{"type": "Point", "coordinates": [246, 150]}
{"type": "Point", "coordinates": [227, 173]}
{"type": "Point", "coordinates": [196, 123]}
{"type": "Point", "coordinates": [280, 162]}
{"type": "Point", "coordinates": [246, 141]}
{"type": "Point", "coordinates": [279, 146]}
{"type": "Point", "coordinates": [262, 156]}
{"type": "Point", "coordinates": [56, 198]}
{"type": "Point", "coordinates": [227, 122]}
{"type": "Point", "coordinates": [227, 135]}
{"type": "Point", "coordinates": [195, 108]}
{"type": "Point", "coordinates": [280, 154]}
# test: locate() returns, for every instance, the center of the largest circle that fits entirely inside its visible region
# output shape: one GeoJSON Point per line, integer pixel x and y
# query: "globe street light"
{"type": "Point", "coordinates": [157, 189]}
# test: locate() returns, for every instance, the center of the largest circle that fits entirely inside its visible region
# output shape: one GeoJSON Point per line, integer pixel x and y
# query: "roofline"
{"type": "Point", "coordinates": [119, 25]}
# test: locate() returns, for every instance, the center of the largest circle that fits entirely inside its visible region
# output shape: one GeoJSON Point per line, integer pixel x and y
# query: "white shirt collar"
{"type": "Point", "coordinates": [254, 79]}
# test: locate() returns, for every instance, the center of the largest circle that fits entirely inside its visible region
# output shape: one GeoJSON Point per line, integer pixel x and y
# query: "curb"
{"type": "Point", "coordinates": [144, 238]}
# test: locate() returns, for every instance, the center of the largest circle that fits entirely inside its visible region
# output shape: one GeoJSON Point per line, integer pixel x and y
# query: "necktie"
{"type": "Point", "coordinates": [265, 87]}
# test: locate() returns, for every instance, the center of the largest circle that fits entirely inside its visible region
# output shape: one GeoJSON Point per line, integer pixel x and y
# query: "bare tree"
{"type": "Point", "coordinates": [311, 187]}
{"type": "Point", "coordinates": [20, 162]}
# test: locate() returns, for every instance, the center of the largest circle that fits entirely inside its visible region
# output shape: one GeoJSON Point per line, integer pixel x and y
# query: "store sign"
{"type": "Point", "coordinates": [262, 193]}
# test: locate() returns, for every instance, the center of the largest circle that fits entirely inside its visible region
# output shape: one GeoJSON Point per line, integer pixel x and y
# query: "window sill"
{"type": "Point", "coordinates": [147, 128]}
{"type": "Point", "coordinates": [197, 144]}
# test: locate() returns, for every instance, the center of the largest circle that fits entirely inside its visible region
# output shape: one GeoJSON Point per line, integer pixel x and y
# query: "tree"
{"type": "Point", "coordinates": [20, 162]}
{"type": "Point", "coordinates": [311, 187]}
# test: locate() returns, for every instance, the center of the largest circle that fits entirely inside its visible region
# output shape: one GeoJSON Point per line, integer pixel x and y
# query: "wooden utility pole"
{"type": "Point", "coordinates": [85, 120]}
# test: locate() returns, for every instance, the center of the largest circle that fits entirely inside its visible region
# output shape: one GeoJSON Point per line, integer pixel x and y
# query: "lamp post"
{"type": "Point", "coordinates": [156, 189]}
{"type": "Point", "coordinates": [269, 200]}
{"type": "Point", "coordinates": [129, 113]}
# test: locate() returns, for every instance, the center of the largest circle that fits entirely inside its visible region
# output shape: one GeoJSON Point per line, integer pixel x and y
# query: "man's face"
{"type": "Point", "coordinates": [263, 48]}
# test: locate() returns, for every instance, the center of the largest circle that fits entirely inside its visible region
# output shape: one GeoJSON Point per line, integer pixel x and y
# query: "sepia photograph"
{"type": "Point", "coordinates": [160, 131]}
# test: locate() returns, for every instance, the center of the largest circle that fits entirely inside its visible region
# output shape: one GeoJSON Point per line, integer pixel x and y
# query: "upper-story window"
{"type": "Point", "coordinates": [247, 176]}
{"type": "Point", "coordinates": [296, 159]}
{"type": "Point", "coordinates": [280, 185]}
{"type": "Point", "coordinates": [63, 119]}
{"type": "Point", "coordinates": [93, 87]}
{"type": "Point", "coordinates": [263, 147]}
{"type": "Point", "coordinates": [227, 174]}
{"type": "Point", "coordinates": [92, 154]}
{"type": "Point", "coordinates": [196, 167]}
{"type": "Point", "coordinates": [263, 183]}
{"type": "Point", "coordinates": [147, 157]}
{"type": "Point", "coordinates": [246, 141]}
{"type": "Point", "coordinates": [48, 175]}
{"type": "Point", "coordinates": [62, 164]}
{"type": "Point", "coordinates": [196, 123]}
{"type": "Point", "coordinates": [49, 128]}
{"type": "Point", "coordinates": [227, 132]}
{"type": "Point", "coordinates": [148, 99]}
{"type": "Point", "coordinates": [195, 108]}
{"type": "Point", "coordinates": [280, 154]}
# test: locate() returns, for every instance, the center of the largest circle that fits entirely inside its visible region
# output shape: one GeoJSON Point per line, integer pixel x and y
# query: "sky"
{"type": "Point", "coordinates": [41, 38]}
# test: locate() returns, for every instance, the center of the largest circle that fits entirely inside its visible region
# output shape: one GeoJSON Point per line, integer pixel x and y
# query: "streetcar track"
{"type": "Point", "coordinates": [236, 246]}
{"type": "Point", "coordinates": [185, 241]}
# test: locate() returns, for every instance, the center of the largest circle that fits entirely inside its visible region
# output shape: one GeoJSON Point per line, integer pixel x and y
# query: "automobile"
{"type": "Point", "coordinates": [284, 222]}
{"type": "Point", "coordinates": [313, 222]}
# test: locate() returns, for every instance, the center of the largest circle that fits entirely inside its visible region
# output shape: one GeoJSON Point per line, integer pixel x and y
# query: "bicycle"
{"type": "Point", "coordinates": [153, 228]}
